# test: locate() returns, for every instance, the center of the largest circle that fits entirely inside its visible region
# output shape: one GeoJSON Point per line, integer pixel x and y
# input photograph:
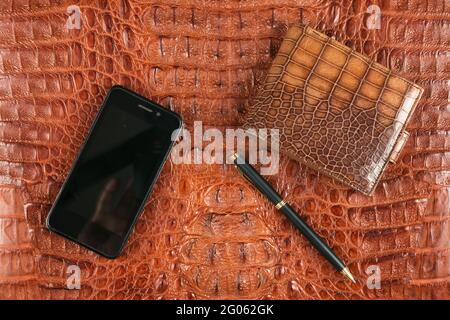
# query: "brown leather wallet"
{"type": "Point", "coordinates": [337, 111]}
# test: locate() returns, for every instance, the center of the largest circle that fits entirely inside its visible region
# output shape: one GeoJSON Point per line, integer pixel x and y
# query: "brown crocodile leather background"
{"type": "Point", "coordinates": [336, 110]}
{"type": "Point", "coordinates": [205, 233]}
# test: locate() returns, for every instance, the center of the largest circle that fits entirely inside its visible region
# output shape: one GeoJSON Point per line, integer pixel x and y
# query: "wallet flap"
{"type": "Point", "coordinates": [399, 147]}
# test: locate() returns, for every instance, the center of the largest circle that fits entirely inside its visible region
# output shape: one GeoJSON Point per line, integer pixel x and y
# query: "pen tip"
{"type": "Point", "coordinates": [346, 272]}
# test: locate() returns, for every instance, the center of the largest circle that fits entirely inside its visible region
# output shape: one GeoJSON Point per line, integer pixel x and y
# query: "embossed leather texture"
{"type": "Point", "coordinates": [206, 233]}
{"type": "Point", "coordinates": [336, 110]}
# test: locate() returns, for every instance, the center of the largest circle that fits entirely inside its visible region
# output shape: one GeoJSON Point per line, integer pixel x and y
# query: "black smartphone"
{"type": "Point", "coordinates": [116, 168]}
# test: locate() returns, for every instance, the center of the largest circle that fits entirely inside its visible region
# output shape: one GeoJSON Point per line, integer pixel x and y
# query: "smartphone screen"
{"type": "Point", "coordinates": [115, 170]}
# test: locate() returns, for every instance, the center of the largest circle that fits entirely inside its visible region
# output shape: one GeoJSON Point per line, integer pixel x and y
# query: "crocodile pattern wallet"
{"type": "Point", "coordinates": [337, 111]}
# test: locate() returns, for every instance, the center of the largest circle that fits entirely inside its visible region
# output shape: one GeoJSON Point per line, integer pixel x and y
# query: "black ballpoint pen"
{"type": "Point", "coordinates": [266, 189]}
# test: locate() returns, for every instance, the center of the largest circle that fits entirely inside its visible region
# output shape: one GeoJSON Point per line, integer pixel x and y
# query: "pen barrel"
{"type": "Point", "coordinates": [313, 237]}
{"type": "Point", "coordinates": [260, 183]}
